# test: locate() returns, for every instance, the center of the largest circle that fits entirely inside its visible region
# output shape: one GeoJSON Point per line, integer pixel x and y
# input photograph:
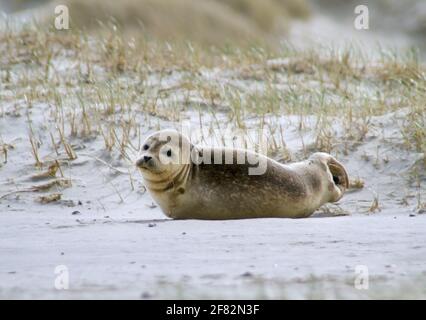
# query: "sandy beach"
{"type": "Point", "coordinates": [73, 113]}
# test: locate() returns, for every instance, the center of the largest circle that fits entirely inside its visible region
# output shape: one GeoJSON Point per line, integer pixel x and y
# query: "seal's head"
{"type": "Point", "coordinates": [164, 154]}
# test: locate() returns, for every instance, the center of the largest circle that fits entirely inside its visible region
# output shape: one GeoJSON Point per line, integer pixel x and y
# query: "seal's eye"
{"type": "Point", "coordinates": [146, 147]}
{"type": "Point", "coordinates": [169, 152]}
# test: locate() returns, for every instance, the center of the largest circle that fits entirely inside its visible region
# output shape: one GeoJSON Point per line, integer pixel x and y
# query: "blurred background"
{"type": "Point", "coordinates": [394, 23]}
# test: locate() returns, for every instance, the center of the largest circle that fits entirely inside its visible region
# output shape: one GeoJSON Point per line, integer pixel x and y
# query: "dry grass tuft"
{"type": "Point", "coordinates": [49, 174]}
{"type": "Point", "coordinates": [356, 183]}
{"type": "Point", "coordinates": [375, 206]}
{"type": "Point", "coordinates": [54, 197]}
{"type": "Point", "coordinates": [4, 149]}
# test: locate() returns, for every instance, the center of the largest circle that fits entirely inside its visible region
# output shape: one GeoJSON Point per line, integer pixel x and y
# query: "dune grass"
{"type": "Point", "coordinates": [114, 88]}
{"type": "Point", "coordinates": [208, 22]}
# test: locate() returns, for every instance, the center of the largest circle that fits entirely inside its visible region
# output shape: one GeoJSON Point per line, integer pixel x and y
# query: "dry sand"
{"type": "Point", "coordinates": [129, 250]}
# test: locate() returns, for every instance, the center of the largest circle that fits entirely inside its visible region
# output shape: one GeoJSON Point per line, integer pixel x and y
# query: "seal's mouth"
{"type": "Point", "coordinates": [145, 163]}
{"type": "Point", "coordinates": [149, 165]}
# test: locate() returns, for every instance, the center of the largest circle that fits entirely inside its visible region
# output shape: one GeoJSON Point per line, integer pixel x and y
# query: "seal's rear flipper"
{"type": "Point", "coordinates": [340, 176]}
{"type": "Point", "coordinates": [337, 171]}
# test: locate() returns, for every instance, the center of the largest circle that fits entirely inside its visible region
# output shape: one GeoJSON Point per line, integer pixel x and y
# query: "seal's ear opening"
{"type": "Point", "coordinates": [339, 173]}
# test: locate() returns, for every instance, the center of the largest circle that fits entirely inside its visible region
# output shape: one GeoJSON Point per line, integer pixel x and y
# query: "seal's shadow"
{"type": "Point", "coordinates": [148, 221]}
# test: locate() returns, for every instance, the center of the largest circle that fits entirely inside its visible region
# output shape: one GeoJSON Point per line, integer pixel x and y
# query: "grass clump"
{"type": "Point", "coordinates": [114, 88]}
{"type": "Point", "coordinates": [206, 22]}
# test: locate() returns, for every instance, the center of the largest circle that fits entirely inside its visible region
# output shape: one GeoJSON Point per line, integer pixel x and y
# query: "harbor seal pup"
{"type": "Point", "coordinates": [188, 182]}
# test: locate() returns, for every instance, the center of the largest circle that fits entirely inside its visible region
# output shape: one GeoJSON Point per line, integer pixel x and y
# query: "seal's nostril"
{"type": "Point", "coordinates": [143, 160]}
